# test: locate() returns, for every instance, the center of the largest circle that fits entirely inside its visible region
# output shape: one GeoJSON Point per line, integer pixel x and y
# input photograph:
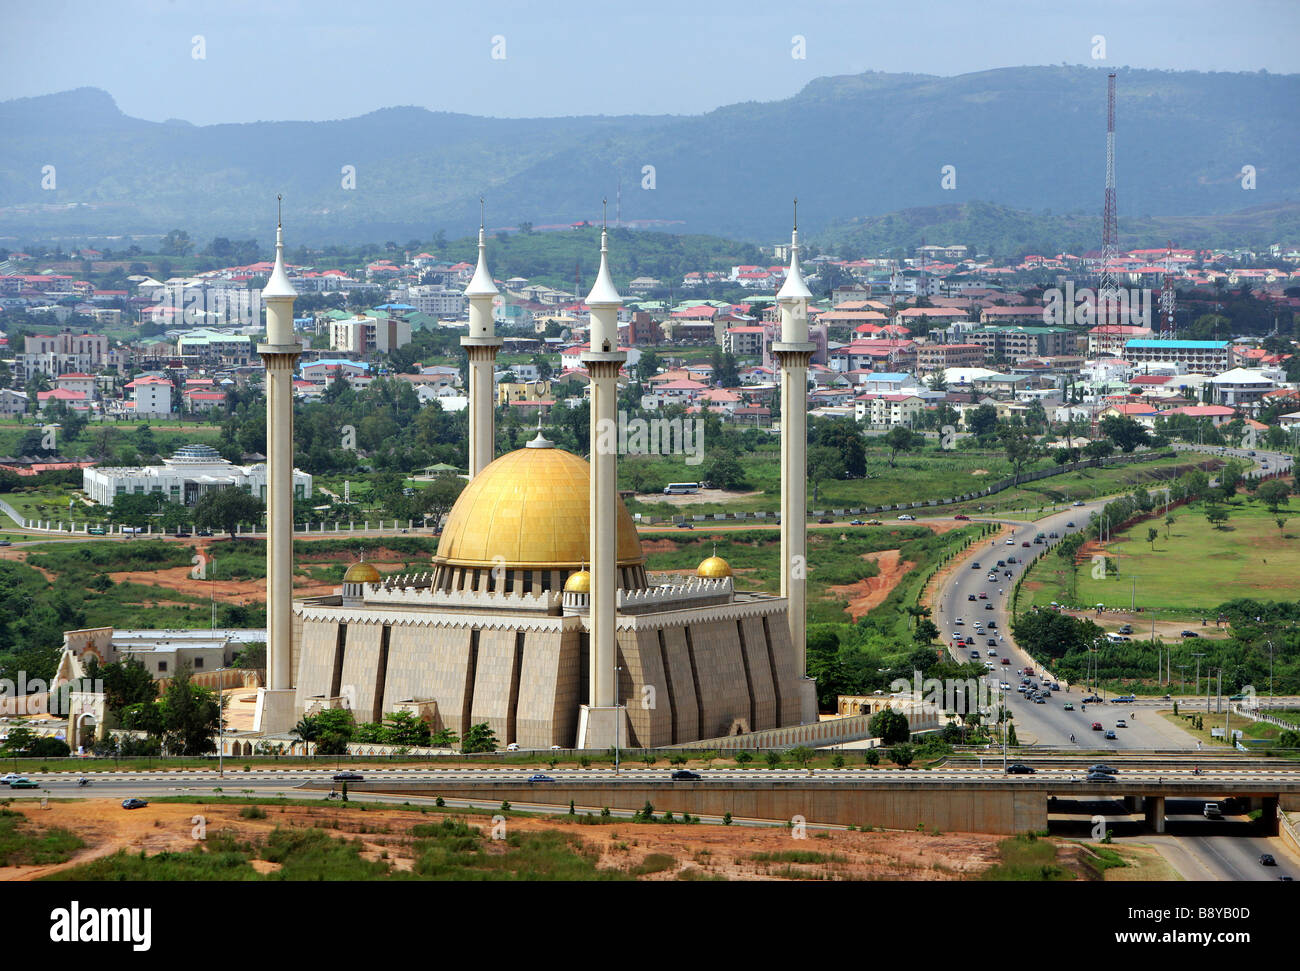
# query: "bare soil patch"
{"type": "Point", "coordinates": [871, 592]}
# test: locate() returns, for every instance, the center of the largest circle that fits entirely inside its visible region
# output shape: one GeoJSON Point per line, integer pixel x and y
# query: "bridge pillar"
{"type": "Point", "coordinates": [1133, 804]}
{"type": "Point", "coordinates": [1268, 823]}
{"type": "Point", "coordinates": [1155, 813]}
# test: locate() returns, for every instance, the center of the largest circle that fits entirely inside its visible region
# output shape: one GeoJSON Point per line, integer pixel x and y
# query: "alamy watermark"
{"type": "Point", "coordinates": [35, 697]}
{"type": "Point", "coordinates": [1084, 307]}
{"type": "Point", "coordinates": [651, 436]}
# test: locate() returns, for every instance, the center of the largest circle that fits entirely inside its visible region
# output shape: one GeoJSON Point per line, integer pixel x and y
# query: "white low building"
{"type": "Point", "coordinates": [185, 477]}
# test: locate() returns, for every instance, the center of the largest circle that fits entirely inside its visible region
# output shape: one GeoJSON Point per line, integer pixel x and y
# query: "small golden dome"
{"type": "Point", "coordinates": [714, 567]}
{"type": "Point", "coordinates": [579, 582]}
{"type": "Point", "coordinates": [361, 573]}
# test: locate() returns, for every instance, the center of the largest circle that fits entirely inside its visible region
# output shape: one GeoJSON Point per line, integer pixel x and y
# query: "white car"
{"type": "Point", "coordinates": [9, 777]}
{"type": "Point", "coordinates": [1010, 542]}
{"type": "Point", "coordinates": [959, 621]}
{"type": "Point", "coordinates": [907, 517]}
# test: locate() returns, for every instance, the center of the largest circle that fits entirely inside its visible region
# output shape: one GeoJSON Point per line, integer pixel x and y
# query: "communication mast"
{"type": "Point", "coordinates": [1108, 288]}
{"type": "Point", "coordinates": [1168, 297]}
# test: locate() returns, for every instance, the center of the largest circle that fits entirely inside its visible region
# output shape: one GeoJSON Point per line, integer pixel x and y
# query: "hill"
{"type": "Point", "coordinates": [850, 147]}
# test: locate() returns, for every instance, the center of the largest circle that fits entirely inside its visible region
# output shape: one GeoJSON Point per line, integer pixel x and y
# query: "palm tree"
{"type": "Point", "coordinates": [307, 730]}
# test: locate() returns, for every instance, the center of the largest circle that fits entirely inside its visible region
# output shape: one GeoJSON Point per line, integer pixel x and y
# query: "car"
{"type": "Point", "coordinates": [988, 606]}
{"type": "Point", "coordinates": [203, 532]}
{"type": "Point", "coordinates": [24, 784]}
{"type": "Point", "coordinates": [183, 534]}
{"type": "Point", "coordinates": [1110, 733]}
{"type": "Point", "coordinates": [906, 518]}
{"type": "Point", "coordinates": [1006, 660]}
{"type": "Point", "coordinates": [1126, 629]}
{"type": "Point", "coordinates": [349, 777]}
{"type": "Point", "coordinates": [972, 596]}
{"type": "Point", "coordinates": [685, 775]}
{"type": "Point", "coordinates": [5, 542]}
{"type": "Point", "coordinates": [1069, 706]}
{"type": "Point", "coordinates": [959, 622]}
{"type": "Point", "coordinates": [1017, 768]}
{"type": "Point", "coordinates": [1121, 724]}
{"type": "Point", "coordinates": [988, 665]}
{"type": "Point", "coordinates": [1077, 502]}
{"type": "Point", "coordinates": [1012, 542]}
{"type": "Point", "coordinates": [95, 531]}
{"type": "Point", "coordinates": [1266, 859]}
{"type": "Point", "coordinates": [874, 522]}
{"type": "Point", "coordinates": [538, 777]}
{"type": "Point", "coordinates": [1103, 768]}
{"type": "Point", "coordinates": [992, 642]}
{"type": "Point", "coordinates": [1040, 700]}
{"type": "Point", "coordinates": [974, 655]}
{"type": "Point", "coordinates": [1096, 726]}
{"type": "Point", "coordinates": [993, 625]}
{"type": "Point", "coordinates": [983, 595]}
{"type": "Point", "coordinates": [1055, 686]}
{"type": "Point", "coordinates": [1053, 535]}
{"type": "Point", "coordinates": [8, 777]}
{"type": "Point", "coordinates": [1070, 524]}
{"type": "Point", "coordinates": [1100, 777]}
{"type": "Point", "coordinates": [1010, 560]}
{"type": "Point", "coordinates": [1190, 633]}
{"type": "Point", "coordinates": [1236, 697]}
{"type": "Point", "coordinates": [962, 516]}
{"type": "Point", "coordinates": [685, 525]}
{"type": "Point", "coordinates": [1093, 700]}
{"type": "Point", "coordinates": [512, 747]}
{"type": "Point", "coordinates": [134, 803]}
{"type": "Point", "coordinates": [975, 565]}
{"type": "Point", "coordinates": [1211, 810]}
{"type": "Point", "coordinates": [826, 520]}
{"type": "Point", "coordinates": [1025, 544]}
{"type": "Point", "coordinates": [857, 522]}
{"type": "Point", "coordinates": [1005, 685]}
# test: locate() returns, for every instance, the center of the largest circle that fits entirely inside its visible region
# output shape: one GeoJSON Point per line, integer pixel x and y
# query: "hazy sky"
{"type": "Point", "coordinates": [321, 59]}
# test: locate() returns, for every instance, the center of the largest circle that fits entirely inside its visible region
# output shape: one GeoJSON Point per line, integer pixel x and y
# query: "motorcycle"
{"type": "Point", "coordinates": [83, 782]}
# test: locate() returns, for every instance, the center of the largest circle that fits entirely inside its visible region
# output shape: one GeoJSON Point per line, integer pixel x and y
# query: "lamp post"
{"type": "Point", "coordinates": [221, 725]}
{"type": "Point", "coordinates": [618, 719]}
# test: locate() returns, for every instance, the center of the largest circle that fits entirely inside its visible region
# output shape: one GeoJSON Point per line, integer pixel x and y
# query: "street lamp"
{"type": "Point", "coordinates": [221, 725]}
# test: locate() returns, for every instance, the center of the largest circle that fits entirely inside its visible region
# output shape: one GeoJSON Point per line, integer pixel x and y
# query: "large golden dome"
{"type": "Point", "coordinates": [529, 510]}
{"type": "Point", "coordinates": [361, 573]}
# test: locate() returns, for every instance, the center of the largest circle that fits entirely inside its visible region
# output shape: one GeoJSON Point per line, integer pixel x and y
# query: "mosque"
{"type": "Point", "coordinates": [537, 615]}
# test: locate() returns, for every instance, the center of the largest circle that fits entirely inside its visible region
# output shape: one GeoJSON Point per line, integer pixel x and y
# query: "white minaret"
{"type": "Point", "coordinates": [279, 355]}
{"type": "Point", "coordinates": [481, 345]}
{"type": "Point", "coordinates": [600, 720]}
{"type": "Point", "coordinates": [794, 353]}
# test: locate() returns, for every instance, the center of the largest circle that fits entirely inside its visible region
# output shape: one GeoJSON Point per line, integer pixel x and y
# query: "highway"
{"type": "Point", "coordinates": [979, 594]}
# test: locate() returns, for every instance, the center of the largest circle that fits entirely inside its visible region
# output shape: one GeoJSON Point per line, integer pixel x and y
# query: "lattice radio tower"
{"type": "Point", "coordinates": [1108, 287]}
{"type": "Point", "coordinates": [1168, 297]}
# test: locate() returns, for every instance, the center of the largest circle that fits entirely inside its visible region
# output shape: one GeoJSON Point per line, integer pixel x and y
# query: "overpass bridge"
{"type": "Point", "coordinates": [965, 801]}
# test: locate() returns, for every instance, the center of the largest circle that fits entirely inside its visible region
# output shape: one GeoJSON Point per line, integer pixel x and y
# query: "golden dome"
{"type": "Point", "coordinates": [529, 510]}
{"type": "Point", "coordinates": [361, 573]}
{"type": "Point", "coordinates": [715, 567]}
{"type": "Point", "coordinates": [579, 582]}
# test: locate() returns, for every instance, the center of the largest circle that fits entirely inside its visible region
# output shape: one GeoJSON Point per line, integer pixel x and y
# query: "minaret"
{"type": "Point", "coordinates": [793, 354]}
{"type": "Point", "coordinates": [275, 702]}
{"type": "Point", "coordinates": [599, 721]}
{"type": "Point", "coordinates": [481, 345]}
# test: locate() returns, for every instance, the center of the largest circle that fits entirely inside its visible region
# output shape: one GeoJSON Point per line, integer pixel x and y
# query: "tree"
{"type": "Point", "coordinates": [19, 740]}
{"type": "Point", "coordinates": [1169, 522]}
{"type": "Point", "coordinates": [226, 509]}
{"type": "Point", "coordinates": [336, 727]}
{"type": "Point", "coordinates": [889, 726]}
{"type": "Point", "coordinates": [1217, 515]}
{"type": "Point", "coordinates": [824, 463]}
{"type": "Point", "coordinates": [1273, 493]}
{"type": "Point", "coordinates": [189, 714]}
{"type": "Point", "coordinates": [1281, 524]}
{"type": "Point", "coordinates": [126, 683]}
{"type": "Point", "coordinates": [845, 437]}
{"type": "Point", "coordinates": [1020, 448]}
{"type": "Point", "coordinates": [982, 421]}
{"type": "Point", "coordinates": [1152, 533]}
{"type": "Point", "coordinates": [479, 738]}
{"type": "Point", "coordinates": [724, 471]}
{"type": "Point", "coordinates": [403, 728]}
{"type": "Point", "coordinates": [902, 755]}
{"type": "Point", "coordinates": [1127, 433]}
{"type": "Point", "coordinates": [801, 754]}
{"type": "Point", "coordinates": [925, 632]}
{"type": "Point", "coordinates": [899, 439]}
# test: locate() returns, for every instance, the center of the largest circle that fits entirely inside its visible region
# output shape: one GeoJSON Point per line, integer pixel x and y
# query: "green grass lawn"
{"type": "Point", "coordinates": [1197, 567]}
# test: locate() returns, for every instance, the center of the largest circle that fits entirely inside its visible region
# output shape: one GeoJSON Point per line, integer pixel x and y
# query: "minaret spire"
{"type": "Point", "coordinates": [481, 346]}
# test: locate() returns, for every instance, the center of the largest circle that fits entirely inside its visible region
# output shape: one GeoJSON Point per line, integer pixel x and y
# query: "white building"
{"type": "Point", "coordinates": [193, 471]}
{"type": "Point", "coordinates": [151, 395]}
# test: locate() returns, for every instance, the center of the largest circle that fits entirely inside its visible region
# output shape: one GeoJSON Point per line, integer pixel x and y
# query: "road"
{"type": "Point", "coordinates": [977, 591]}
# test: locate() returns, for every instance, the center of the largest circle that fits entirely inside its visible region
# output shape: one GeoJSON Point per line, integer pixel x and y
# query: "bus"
{"type": "Point", "coordinates": [681, 488]}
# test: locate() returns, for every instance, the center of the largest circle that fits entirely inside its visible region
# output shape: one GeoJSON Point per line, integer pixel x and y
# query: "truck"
{"type": "Point", "coordinates": [1211, 810]}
